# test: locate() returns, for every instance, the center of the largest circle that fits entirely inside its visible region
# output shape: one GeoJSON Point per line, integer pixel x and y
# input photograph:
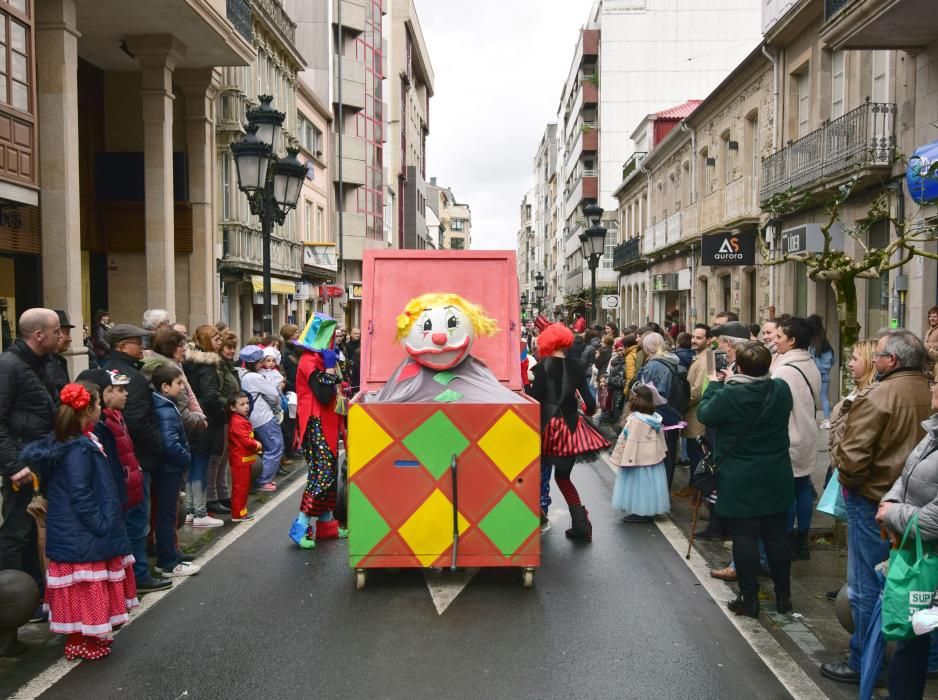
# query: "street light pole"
{"type": "Point", "coordinates": [592, 241]}
{"type": "Point", "coordinates": [267, 225]}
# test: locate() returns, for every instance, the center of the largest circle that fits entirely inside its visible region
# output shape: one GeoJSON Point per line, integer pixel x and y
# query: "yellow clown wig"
{"type": "Point", "coordinates": [481, 323]}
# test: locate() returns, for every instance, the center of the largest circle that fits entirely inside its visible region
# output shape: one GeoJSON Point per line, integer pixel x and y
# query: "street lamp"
{"type": "Point", "coordinates": [271, 184]}
{"type": "Point", "coordinates": [539, 290]}
{"type": "Point", "coordinates": [592, 241]}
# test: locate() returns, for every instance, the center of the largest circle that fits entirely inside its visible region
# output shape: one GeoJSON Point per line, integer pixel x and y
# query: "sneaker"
{"type": "Point", "coordinates": [183, 568]}
{"type": "Point", "coordinates": [189, 518]}
{"type": "Point", "coordinates": [244, 518]}
{"type": "Point", "coordinates": [826, 425]}
{"type": "Point", "coordinates": [267, 488]}
{"type": "Point", "coordinates": [39, 615]}
{"type": "Point", "coordinates": [207, 521]}
{"type": "Point", "coordinates": [152, 585]}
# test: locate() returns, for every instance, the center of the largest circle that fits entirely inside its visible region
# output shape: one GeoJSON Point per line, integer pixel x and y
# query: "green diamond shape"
{"type": "Point", "coordinates": [448, 396]}
{"type": "Point", "coordinates": [366, 526]}
{"type": "Point", "coordinates": [444, 377]}
{"type": "Point", "coordinates": [509, 523]}
{"type": "Point", "coordinates": [434, 442]}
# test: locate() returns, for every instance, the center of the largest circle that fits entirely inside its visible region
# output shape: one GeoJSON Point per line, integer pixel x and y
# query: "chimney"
{"type": "Point", "coordinates": [433, 181]}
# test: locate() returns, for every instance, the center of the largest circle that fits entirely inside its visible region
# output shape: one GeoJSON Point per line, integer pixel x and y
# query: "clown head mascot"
{"type": "Point", "coordinates": [437, 331]}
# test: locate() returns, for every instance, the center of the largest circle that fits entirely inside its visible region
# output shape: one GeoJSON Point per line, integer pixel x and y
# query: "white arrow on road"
{"type": "Point", "coordinates": [446, 585]}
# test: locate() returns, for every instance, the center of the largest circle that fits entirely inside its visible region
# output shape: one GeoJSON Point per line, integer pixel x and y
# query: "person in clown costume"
{"type": "Point", "coordinates": [437, 332]}
{"type": "Point", "coordinates": [318, 389]}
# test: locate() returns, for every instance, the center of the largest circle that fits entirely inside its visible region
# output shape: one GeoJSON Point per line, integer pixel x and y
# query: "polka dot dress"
{"type": "Point", "coordinates": [90, 598]}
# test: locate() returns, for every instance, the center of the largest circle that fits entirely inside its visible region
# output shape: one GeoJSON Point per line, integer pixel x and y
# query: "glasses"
{"type": "Point", "coordinates": [884, 354]}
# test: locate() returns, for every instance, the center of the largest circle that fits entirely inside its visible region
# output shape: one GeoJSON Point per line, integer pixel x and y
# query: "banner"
{"type": "Point", "coordinates": [728, 249]}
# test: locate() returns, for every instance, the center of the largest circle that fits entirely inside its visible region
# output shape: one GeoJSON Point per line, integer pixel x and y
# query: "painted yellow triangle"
{"type": "Point", "coordinates": [367, 439]}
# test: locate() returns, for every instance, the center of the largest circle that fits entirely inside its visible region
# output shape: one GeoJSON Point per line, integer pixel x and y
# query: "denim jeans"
{"type": "Point", "coordinates": [271, 438]}
{"type": "Point", "coordinates": [165, 485]}
{"type": "Point", "coordinates": [803, 507]}
{"type": "Point", "coordinates": [865, 549]}
{"type": "Point", "coordinates": [547, 468]}
{"type": "Point", "coordinates": [825, 397]}
{"type": "Point", "coordinates": [908, 668]}
{"type": "Point", "coordinates": [195, 487]}
{"type": "Point", "coordinates": [137, 522]}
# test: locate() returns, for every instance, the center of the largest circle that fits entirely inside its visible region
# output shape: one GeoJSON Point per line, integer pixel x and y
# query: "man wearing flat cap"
{"type": "Point", "coordinates": [729, 335]}
{"type": "Point", "coordinates": [57, 367]}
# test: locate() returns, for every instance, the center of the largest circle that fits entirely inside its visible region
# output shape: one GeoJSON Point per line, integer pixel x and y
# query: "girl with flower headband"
{"type": "Point", "coordinates": [90, 584]}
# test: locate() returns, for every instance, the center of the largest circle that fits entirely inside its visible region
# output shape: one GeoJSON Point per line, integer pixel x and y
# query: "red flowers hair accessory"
{"type": "Point", "coordinates": [75, 396]}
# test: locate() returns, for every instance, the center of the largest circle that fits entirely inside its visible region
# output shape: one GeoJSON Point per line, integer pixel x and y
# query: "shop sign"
{"type": "Point", "coordinates": [921, 175]}
{"type": "Point", "coordinates": [810, 239]}
{"type": "Point", "coordinates": [728, 249]}
{"type": "Point", "coordinates": [330, 291]}
{"type": "Point", "coordinates": [666, 282]}
{"type": "Point", "coordinates": [354, 290]}
{"type": "Point", "coordinates": [320, 255]}
{"type": "Point", "coordinates": [610, 301]}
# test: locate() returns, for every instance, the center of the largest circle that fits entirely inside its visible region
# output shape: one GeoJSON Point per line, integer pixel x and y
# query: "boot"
{"type": "Point", "coordinates": [743, 606]}
{"type": "Point", "coordinates": [330, 530]}
{"type": "Point", "coordinates": [799, 545]}
{"type": "Point", "coordinates": [783, 603]}
{"type": "Point", "coordinates": [297, 530]}
{"type": "Point", "coordinates": [582, 527]}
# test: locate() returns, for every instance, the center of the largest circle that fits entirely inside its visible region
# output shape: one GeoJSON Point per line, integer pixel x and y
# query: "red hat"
{"type": "Point", "coordinates": [541, 322]}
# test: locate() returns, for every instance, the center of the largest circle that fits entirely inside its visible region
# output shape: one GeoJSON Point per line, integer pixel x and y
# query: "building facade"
{"type": "Point", "coordinates": [272, 72]}
{"type": "Point", "coordinates": [453, 219]}
{"type": "Point", "coordinates": [111, 132]}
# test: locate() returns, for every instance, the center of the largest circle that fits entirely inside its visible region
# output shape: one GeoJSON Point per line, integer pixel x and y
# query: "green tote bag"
{"type": "Point", "coordinates": [910, 584]}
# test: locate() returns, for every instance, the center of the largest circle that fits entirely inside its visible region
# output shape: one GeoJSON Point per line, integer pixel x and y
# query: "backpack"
{"type": "Point", "coordinates": [679, 392]}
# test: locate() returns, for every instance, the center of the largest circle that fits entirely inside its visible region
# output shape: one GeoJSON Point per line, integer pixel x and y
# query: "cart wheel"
{"type": "Point", "coordinates": [527, 578]}
{"type": "Point", "coordinates": [360, 577]}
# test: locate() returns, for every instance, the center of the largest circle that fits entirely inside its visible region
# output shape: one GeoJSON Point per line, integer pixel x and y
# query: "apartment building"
{"type": "Point", "coordinates": [347, 63]}
{"type": "Point", "coordinates": [631, 59]}
{"type": "Point", "coordinates": [453, 219]}
{"type": "Point", "coordinates": [273, 71]}
{"type": "Point", "coordinates": [527, 261]}
{"type": "Point", "coordinates": [409, 89]}
{"type": "Point", "coordinates": [107, 188]}
{"type": "Point", "coordinates": [544, 217]}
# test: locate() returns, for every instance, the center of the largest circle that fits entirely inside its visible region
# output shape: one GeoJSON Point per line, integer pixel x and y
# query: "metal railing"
{"type": "Point", "coordinates": [689, 221]}
{"type": "Point", "coordinates": [633, 164]}
{"type": "Point", "coordinates": [737, 203]}
{"type": "Point", "coordinates": [239, 14]}
{"type": "Point", "coordinates": [245, 246]}
{"type": "Point", "coordinates": [711, 211]}
{"type": "Point", "coordinates": [626, 253]}
{"type": "Point", "coordinates": [281, 20]}
{"type": "Point", "coordinates": [832, 7]}
{"type": "Point", "coordinates": [863, 137]}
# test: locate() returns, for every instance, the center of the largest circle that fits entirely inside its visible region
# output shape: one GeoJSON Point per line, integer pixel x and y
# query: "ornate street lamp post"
{"type": "Point", "coordinates": [592, 241]}
{"type": "Point", "coordinates": [271, 184]}
{"type": "Point", "coordinates": [539, 291]}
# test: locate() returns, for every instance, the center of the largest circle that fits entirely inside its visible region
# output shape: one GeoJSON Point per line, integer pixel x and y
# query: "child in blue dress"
{"type": "Point", "coordinates": [641, 488]}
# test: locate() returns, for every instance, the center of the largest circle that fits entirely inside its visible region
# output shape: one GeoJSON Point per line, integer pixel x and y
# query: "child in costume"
{"type": "Point", "coordinates": [242, 453]}
{"type": "Point", "coordinates": [641, 488]}
{"type": "Point", "coordinates": [319, 426]}
{"type": "Point", "coordinates": [90, 583]}
{"type": "Point", "coordinates": [266, 398]}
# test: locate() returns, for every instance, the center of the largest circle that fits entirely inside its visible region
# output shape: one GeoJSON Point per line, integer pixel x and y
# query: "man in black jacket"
{"type": "Point", "coordinates": [57, 366]}
{"type": "Point", "coordinates": [126, 352]}
{"type": "Point", "coordinates": [27, 413]}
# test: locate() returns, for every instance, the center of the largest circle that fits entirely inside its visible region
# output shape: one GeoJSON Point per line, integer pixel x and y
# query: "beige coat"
{"type": "Point", "coordinates": [802, 424]}
{"type": "Point", "coordinates": [644, 446]}
{"type": "Point", "coordinates": [697, 378]}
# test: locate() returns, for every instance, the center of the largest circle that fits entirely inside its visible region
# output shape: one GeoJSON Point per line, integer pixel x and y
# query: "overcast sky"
{"type": "Point", "coordinates": [499, 68]}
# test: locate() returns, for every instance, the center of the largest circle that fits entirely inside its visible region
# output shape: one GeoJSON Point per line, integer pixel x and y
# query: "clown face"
{"type": "Point", "coordinates": [440, 338]}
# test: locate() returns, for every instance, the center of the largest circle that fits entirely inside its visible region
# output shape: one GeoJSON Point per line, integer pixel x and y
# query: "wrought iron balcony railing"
{"type": "Point", "coordinates": [832, 7]}
{"type": "Point", "coordinates": [239, 14]}
{"type": "Point", "coordinates": [863, 137]}
{"type": "Point", "coordinates": [626, 253]}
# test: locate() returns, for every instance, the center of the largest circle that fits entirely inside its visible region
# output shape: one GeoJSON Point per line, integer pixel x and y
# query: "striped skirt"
{"type": "Point", "coordinates": [584, 443]}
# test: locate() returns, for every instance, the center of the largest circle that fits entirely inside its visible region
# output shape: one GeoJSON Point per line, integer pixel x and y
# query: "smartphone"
{"type": "Point", "coordinates": [719, 360]}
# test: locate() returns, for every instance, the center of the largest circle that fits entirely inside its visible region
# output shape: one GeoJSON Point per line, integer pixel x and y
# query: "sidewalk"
{"type": "Point", "coordinates": [46, 648]}
{"type": "Point", "coordinates": [812, 635]}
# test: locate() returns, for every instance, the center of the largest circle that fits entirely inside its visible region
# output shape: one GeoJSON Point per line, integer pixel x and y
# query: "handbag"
{"type": "Point", "coordinates": [832, 500]}
{"type": "Point", "coordinates": [910, 584]}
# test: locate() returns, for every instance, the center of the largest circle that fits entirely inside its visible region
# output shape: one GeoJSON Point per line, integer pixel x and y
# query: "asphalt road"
{"type": "Point", "coordinates": [620, 618]}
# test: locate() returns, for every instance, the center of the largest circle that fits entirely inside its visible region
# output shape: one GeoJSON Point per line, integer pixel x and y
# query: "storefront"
{"type": "Point", "coordinates": [20, 267]}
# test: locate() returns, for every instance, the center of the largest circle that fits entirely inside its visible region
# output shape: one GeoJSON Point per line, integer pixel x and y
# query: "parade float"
{"type": "Point", "coordinates": [443, 445]}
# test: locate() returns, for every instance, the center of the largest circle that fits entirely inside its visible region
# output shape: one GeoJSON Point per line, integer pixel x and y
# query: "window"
{"type": "Point", "coordinates": [803, 87]}
{"type": "Point", "coordinates": [838, 73]}
{"type": "Point", "coordinates": [309, 136]}
{"type": "Point", "coordinates": [320, 232]}
{"type": "Point", "coordinates": [308, 221]}
{"type": "Point", "coordinates": [458, 225]}
{"type": "Point", "coordinates": [226, 186]}
{"type": "Point", "coordinates": [880, 87]}
{"type": "Point", "coordinates": [685, 184]}
{"type": "Point", "coordinates": [728, 157]}
{"type": "Point", "coordinates": [15, 49]}
{"type": "Point", "coordinates": [707, 172]}
{"type": "Point", "coordinates": [457, 243]}
{"type": "Point", "coordinates": [877, 290]}
{"type": "Point", "coordinates": [755, 157]}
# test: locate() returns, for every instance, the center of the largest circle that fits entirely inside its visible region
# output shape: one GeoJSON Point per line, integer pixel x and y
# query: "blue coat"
{"type": "Point", "coordinates": [172, 433]}
{"type": "Point", "coordinates": [85, 522]}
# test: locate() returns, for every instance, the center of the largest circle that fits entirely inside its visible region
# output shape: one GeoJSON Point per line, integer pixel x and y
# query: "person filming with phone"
{"type": "Point", "coordinates": [728, 336]}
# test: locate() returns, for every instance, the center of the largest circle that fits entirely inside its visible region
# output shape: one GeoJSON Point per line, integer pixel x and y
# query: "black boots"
{"type": "Point", "coordinates": [782, 604]}
{"type": "Point", "coordinates": [582, 527]}
{"type": "Point", "coordinates": [744, 606]}
{"type": "Point", "coordinates": [800, 545]}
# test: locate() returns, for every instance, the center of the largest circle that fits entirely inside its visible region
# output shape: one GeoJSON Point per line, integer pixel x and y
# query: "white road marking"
{"type": "Point", "coordinates": [445, 585]}
{"type": "Point", "coordinates": [52, 675]}
{"type": "Point", "coordinates": [779, 661]}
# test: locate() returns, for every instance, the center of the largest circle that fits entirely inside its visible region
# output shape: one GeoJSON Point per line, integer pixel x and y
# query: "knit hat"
{"type": "Point", "coordinates": [273, 352]}
{"type": "Point", "coordinates": [251, 353]}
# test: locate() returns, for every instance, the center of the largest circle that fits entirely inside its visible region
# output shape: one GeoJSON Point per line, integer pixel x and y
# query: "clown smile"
{"type": "Point", "coordinates": [440, 357]}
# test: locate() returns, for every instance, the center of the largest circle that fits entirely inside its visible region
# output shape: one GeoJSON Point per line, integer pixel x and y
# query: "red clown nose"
{"type": "Point", "coordinates": [439, 338]}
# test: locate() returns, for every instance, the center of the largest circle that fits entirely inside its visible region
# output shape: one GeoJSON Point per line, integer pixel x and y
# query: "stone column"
{"type": "Point", "coordinates": [158, 55]}
{"type": "Point", "coordinates": [57, 111]}
{"type": "Point", "coordinates": [199, 86]}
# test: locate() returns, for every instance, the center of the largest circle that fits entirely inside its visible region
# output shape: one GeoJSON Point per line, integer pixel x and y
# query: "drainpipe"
{"type": "Point", "coordinates": [649, 208]}
{"type": "Point", "coordinates": [692, 191]}
{"type": "Point", "coordinates": [776, 126]}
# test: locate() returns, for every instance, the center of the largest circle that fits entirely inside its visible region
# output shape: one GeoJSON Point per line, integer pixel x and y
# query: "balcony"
{"type": "Point", "coordinates": [689, 228]}
{"type": "Point", "coordinates": [590, 44]}
{"type": "Point", "coordinates": [740, 201]}
{"type": "Point", "coordinates": [238, 13]}
{"type": "Point", "coordinates": [277, 17]}
{"type": "Point", "coordinates": [353, 82]}
{"type": "Point", "coordinates": [879, 24]}
{"type": "Point", "coordinates": [353, 14]}
{"type": "Point", "coordinates": [711, 211]}
{"type": "Point", "coordinates": [863, 138]}
{"type": "Point", "coordinates": [353, 160]}
{"type": "Point", "coordinates": [634, 162]}
{"type": "Point", "coordinates": [584, 140]}
{"type": "Point", "coordinates": [627, 253]}
{"type": "Point", "coordinates": [243, 249]}
{"type": "Point", "coordinates": [590, 93]}
{"type": "Point", "coordinates": [574, 281]}
{"type": "Point", "coordinates": [585, 187]}
{"type": "Point", "coordinates": [663, 234]}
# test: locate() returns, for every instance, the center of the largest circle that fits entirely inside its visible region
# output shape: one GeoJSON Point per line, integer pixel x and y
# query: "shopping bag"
{"type": "Point", "coordinates": [910, 584]}
{"type": "Point", "coordinates": [832, 500]}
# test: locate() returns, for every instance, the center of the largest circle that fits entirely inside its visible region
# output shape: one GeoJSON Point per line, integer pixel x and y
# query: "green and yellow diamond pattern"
{"type": "Point", "coordinates": [429, 531]}
{"type": "Point", "coordinates": [511, 444]}
{"type": "Point", "coordinates": [434, 442]}
{"type": "Point", "coordinates": [509, 523]}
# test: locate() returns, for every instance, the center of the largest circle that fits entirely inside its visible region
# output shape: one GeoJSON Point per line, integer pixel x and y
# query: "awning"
{"type": "Point", "coordinates": [277, 285]}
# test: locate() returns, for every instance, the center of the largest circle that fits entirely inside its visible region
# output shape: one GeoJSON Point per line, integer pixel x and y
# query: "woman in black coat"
{"type": "Point", "coordinates": [560, 383]}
